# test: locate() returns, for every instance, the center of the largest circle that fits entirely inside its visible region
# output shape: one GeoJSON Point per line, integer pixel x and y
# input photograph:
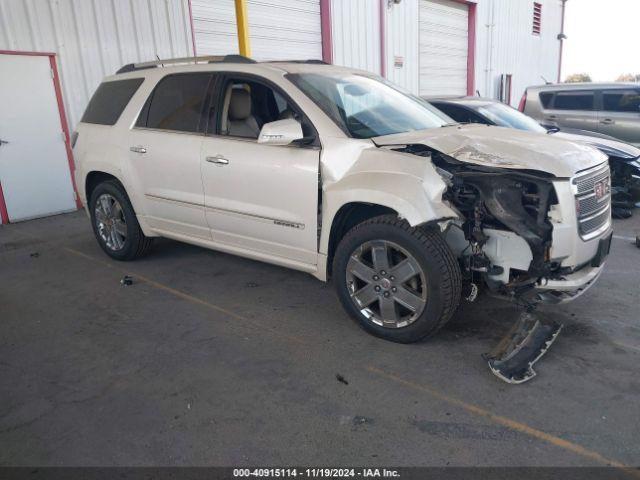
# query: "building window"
{"type": "Point", "coordinates": [537, 18]}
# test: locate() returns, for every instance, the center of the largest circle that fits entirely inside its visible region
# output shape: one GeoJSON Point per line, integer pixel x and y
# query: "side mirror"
{"type": "Point", "coordinates": [280, 132]}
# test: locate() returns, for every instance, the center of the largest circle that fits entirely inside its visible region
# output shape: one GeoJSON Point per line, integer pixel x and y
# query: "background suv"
{"type": "Point", "coordinates": [609, 108]}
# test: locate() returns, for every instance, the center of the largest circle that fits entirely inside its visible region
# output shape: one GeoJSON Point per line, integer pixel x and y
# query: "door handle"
{"type": "Point", "coordinates": [138, 149]}
{"type": "Point", "coordinates": [552, 117]}
{"type": "Point", "coordinates": [3, 142]}
{"type": "Point", "coordinates": [218, 160]}
{"type": "Point", "coordinates": [607, 121]}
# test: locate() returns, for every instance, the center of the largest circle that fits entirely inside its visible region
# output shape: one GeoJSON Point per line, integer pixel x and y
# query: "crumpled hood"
{"type": "Point", "coordinates": [503, 148]}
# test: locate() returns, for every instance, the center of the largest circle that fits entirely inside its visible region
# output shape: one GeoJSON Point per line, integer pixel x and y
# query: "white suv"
{"type": "Point", "coordinates": [338, 173]}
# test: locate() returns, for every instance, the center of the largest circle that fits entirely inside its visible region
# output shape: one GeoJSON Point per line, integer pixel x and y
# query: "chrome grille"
{"type": "Point", "coordinates": [593, 201]}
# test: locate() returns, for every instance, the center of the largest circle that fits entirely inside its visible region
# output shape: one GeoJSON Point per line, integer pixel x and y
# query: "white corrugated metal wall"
{"type": "Point", "coordinates": [506, 45]}
{"type": "Point", "coordinates": [278, 29]}
{"type": "Point", "coordinates": [93, 38]}
{"type": "Point", "coordinates": [401, 25]}
{"type": "Point", "coordinates": [355, 31]}
{"type": "Point", "coordinates": [444, 46]}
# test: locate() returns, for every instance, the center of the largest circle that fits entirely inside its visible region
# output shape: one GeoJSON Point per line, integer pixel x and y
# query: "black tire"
{"type": "Point", "coordinates": [135, 244]}
{"type": "Point", "coordinates": [435, 258]}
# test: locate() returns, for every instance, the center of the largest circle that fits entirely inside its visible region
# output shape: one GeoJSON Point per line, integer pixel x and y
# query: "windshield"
{"type": "Point", "coordinates": [506, 116]}
{"type": "Point", "coordinates": [365, 107]}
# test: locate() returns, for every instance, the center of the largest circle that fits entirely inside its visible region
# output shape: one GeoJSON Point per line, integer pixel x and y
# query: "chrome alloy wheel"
{"type": "Point", "coordinates": [110, 222]}
{"type": "Point", "coordinates": [386, 283]}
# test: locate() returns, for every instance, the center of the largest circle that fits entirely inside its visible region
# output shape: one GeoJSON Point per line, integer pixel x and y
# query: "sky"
{"type": "Point", "coordinates": [603, 38]}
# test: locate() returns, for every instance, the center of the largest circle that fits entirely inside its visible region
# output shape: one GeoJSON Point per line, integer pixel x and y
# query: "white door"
{"type": "Point", "coordinates": [444, 30]}
{"type": "Point", "coordinates": [34, 168]}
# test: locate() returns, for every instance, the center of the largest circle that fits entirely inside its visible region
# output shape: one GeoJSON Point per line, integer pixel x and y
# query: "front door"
{"type": "Point", "coordinates": [34, 167]}
{"type": "Point", "coordinates": [164, 155]}
{"type": "Point", "coordinates": [262, 198]}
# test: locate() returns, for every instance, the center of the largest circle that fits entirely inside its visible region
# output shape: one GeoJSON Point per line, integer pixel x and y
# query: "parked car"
{"type": "Point", "coordinates": [624, 159]}
{"type": "Point", "coordinates": [609, 108]}
{"type": "Point", "coordinates": [336, 172]}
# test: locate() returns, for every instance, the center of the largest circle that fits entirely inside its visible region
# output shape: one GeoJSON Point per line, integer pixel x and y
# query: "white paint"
{"type": "Point", "coordinates": [93, 38]}
{"type": "Point", "coordinates": [34, 170]}
{"type": "Point", "coordinates": [505, 44]}
{"type": "Point", "coordinates": [443, 47]}
{"type": "Point", "coordinates": [278, 29]}
{"type": "Point", "coordinates": [355, 32]}
{"type": "Point", "coordinates": [402, 39]}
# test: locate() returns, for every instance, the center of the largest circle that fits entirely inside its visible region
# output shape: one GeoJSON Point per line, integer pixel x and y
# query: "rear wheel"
{"type": "Point", "coordinates": [115, 224]}
{"type": "Point", "coordinates": [399, 282]}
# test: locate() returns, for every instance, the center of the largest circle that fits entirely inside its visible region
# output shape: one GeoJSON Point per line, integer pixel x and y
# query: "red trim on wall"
{"type": "Point", "coordinates": [63, 123]}
{"type": "Point", "coordinates": [471, 50]}
{"type": "Point", "coordinates": [325, 28]}
{"type": "Point", "coordinates": [193, 30]}
{"type": "Point", "coordinates": [65, 126]}
{"type": "Point", "coordinates": [4, 215]}
{"type": "Point", "coordinates": [382, 8]}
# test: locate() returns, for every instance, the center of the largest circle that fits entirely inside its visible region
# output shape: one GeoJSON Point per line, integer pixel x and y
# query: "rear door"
{"type": "Point", "coordinates": [164, 154]}
{"type": "Point", "coordinates": [573, 109]}
{"type": "Point", "coordinates": [620, 115]}
{"type": "Point", "coordinates": [260, 198]}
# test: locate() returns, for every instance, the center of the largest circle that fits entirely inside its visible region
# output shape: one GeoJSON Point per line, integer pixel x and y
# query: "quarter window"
{"type": "Point", "coordinates": [621, 101]}
{"type": "Point", "coordinates": [110, 100]}
{"type": "Point", "coordinates": [176, 103]}
{"type": "Point", "coordinates": [545, 99]}
{"type": "Point", "coordinates": [578, 100]}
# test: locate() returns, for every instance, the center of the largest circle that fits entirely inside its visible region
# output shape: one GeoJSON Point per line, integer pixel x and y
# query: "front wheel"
{"type": "Point", "coordinates": [399, 282]}
{"type": "Point", "coordinates": [115, 224]}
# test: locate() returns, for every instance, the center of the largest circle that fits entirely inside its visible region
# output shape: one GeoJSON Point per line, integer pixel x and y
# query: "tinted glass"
{"type": "Point", "coordinates": [365, 107]}
{"type": "Point", "coordinates": [578, 100]}
{"type": "Point", "coordinates": [109, 101]}
{"type": "Point", "coordinates": [176, 103]}
{"type": "Point", "coordinates": [506, 116]}
{"type": "Point", "coordinates": [621, 100]}
{"type": "Point", "coordinates": [459, 114]}
{"type": "Point", "coordinates": [545, 99]}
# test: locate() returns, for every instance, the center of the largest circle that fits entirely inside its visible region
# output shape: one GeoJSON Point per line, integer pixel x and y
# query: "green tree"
{"type": "Point", "coordinates": [578, 77]}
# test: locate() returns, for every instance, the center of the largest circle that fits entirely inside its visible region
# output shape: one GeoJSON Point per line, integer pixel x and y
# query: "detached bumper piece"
{"type": "Point", "coordinates": [528, 340]}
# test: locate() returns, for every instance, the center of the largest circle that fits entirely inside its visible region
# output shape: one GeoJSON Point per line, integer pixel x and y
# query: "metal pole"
{"type": "Point", "coordinates": [242, 22]}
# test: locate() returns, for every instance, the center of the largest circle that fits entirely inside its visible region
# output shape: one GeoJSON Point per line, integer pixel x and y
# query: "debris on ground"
{"type": "Point", "coordinates": [341, 379]}
{"type": "Point", "coordinates": [34, 255]}
{"type": "Point", "coordinates": [126, 281]}
{"type": "Point", "coordinates": [638, 241]}
{"type": "Point", "coordinates": [251, 284]}
{"type": "Point", "coordinates": [528, 340]}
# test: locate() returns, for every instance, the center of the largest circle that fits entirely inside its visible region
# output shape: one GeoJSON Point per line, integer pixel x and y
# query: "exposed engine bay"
{"type": "Point", "coordinates": [514, 202]}
{"type": "Point", "coordinates": [502, 200]}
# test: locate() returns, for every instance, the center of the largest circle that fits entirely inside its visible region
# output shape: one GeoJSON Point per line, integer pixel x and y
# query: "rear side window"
{"type": "Point", "coordinates": [576, 100]}
{"type": "Point", "coordinates": [621, 100]}
{"type": "Point", "coordinates": [109, 101]}
{"type": "Point", "coordinates": [176, 103]}
{"type": "Point", "coordinates": [545, 99]}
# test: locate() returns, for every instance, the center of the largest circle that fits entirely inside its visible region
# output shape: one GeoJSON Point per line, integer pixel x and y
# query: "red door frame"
{"type": "Point", "coordinates": [4, 215]}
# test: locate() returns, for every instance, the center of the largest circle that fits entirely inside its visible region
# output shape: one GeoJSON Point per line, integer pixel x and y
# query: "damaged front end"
{"type": "Point", "coordinates": [502, 213]}
{"type": "Point", "coordinates": [503, 240]}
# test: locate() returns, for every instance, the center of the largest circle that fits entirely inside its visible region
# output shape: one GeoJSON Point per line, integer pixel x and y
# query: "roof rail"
{"type": "Point", "coordinates": [314, 61]}
{"type": "Point", "coordinates": [132, 67]}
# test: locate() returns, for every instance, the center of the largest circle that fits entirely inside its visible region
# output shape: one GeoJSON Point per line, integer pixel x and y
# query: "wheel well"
{"type": "Point", "coordinates": [94, 179]}
{"type": "Point", "coordinates": [348, 217]}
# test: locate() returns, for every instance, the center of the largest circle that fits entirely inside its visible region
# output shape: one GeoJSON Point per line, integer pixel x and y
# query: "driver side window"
{"type": "Point", "coordinates": [248, 105]}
